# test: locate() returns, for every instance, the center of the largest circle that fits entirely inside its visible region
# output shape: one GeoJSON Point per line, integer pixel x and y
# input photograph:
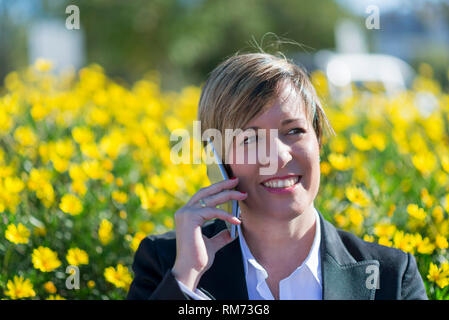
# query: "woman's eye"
{"type": "Point", "coordinates": [248, 140]}
{"type": "Point", "coordinates": [297, 130]}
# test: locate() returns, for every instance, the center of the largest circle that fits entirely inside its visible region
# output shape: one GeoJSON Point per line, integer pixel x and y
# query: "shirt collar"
{"type": "Point", "coordinates": [312, 261]}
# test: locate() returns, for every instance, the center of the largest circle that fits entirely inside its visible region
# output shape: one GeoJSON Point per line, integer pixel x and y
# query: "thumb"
{"type": "Point", "coordinates": [220, 240]}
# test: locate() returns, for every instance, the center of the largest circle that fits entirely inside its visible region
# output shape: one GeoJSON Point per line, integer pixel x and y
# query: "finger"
{"type": "Point", "coordinates": [213, 189]}
{"type": "Point", "coordinates": [220, 240]}
{"type": "Point", "coordinates": [223, 197]}
{"type": "Point", "coordinates": [214, 213]}
{"type": "Point", "coordinates": [198, 217]}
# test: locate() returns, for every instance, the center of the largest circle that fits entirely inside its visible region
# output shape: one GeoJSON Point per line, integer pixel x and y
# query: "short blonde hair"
{"type": "Point", "coordinates": [241, 88]}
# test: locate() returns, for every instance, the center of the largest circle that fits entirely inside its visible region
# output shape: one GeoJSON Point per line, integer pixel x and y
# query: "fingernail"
{"type": "Point", "coordinates": [243, 192]}
{"type": "Point", "coordinates": [233, 178]}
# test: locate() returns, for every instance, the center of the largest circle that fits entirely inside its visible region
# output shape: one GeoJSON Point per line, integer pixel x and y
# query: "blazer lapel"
{"type": "Point", "coordinates": [225, 279]}
{"type": "Point", "coordinates": [344, 278]}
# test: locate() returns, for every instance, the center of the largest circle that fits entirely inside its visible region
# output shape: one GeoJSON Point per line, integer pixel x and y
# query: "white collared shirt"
{"type": "Point", "coordinates": [304, 283]}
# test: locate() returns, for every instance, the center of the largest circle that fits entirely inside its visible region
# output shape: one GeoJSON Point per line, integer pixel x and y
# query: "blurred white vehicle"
{"type": "Point", "coordinates": [343, 70]}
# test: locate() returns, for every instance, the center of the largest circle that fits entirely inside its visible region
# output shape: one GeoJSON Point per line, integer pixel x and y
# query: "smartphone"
{"type": "Point", "coordinates": [216, 172]}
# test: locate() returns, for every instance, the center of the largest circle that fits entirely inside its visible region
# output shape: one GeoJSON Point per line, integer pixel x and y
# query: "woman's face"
{"type": "Point", "coordinates": [295, 153]}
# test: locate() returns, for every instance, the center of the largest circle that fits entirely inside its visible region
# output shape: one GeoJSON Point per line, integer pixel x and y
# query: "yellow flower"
{"type": "Point", "coordinates": [445, 162]}
{"type": "Point", "coordinates": [368, 238]}
{"type": "Point", "coordinates": [93, 169]}
{"type": "Point", "coordinates": [391, 210]}
{"type": "Point", "coordinates": [76, 172]}
{"type": "Point", "coordinates": [325, 168]}
{"type": "Point", "coordinates": [79, 187]}
{"type": "Point", "coordinates": [19, 288]}
{"type": "Point", "coordinates": [43, 65]}
{"type": "Point", "coordinates": [112, 144]}
{"type": "Point", "coordinates": [338, 145]}
{"type": "Point", "coordinates": [168, 222]}
{"type": "Point", "coordinates": [108, 178]}
{"type": "Point", "coordinates": [138, 237]}
{"type": "Point", "coordinates": [405, 242]}
{"type": "Point", "coordinates": [441, 242]}
{"type": "Point", "coordinates": [120, 277]}
{"type": "Point", "coordinates": [107, 164]}
{"type": "Point", "coordinates": [25, 136]}
{"type": "Point", "coordinates": [426, 198]}
{"type": "Point", "coordinates": [60, 164]}
{"type": "Point", "coordinates": [90, 150]}
{"type": "Point", "coordinates": [39, 112]}
{"type": "Point", "coordinates": [83, 135]}
{"type": "Point", "coordinates": [119, 196]}
{"type": "Point", "coordinates": [360, 143]}
{"type": "Point", "coordinates": [40, 231]}
{"type": "Point", "coordinates": [105, 232]}
{"type": "Point", "coordinates": [438, 214]}
{"type": "Point", "coordinates": [76, 256]}
{"type": "Point", "coordinates": [439, 275]}
{"type": "Point", "coordinates": [355, 216]}
{"type": "Point", "coordinates": [146, 226]}
{"type": "Point", "coordinates": [97, 116]}
{"type": "Point", "coordinates": [425, 162]}
{"type": "Point", "coordinates": [39, 181]}
{"type": "Point", "coordinates": [384, 230]}
{"type": "Point", "coordinates": [319, 81]}
{"type": "Point", "coordinates": [63, 148]}
{"type": "Point", "coordinates": [13, 184]}
{"type": "Point", "coordinates": [55, 297]}
{"type": "Point", "coordinates": [19, 234]}
{"type": "Point", "coordinates": [339, 161]}
{"type": "Point", "coordinates": [119, 182]}
{"type": "Point", "coordinates": [91, 284]}
{"type": "Point", "coordinates": [71, 204]}
{"type": "Point", "coordinates": [45, 259]}
{"type": "Point", "coordinates": [443, 228]}
{"type": "Point", "coordinates": [414, 211]}
{"type": "Point", "coordinates": [357, 196]}
{"type": "Point", "coordinates": [384, 241]}
{"type": "Point", "coordinates": [122, 214]}
{"type": "Point", "coordinates": [341, 220]}
{"type": "Point", "coordinates": [423, 246]}
{"type": "Point", "coordinates": [149, 198]}
{"type": "Point", "coordinates": [50, 287]}
{"type": "Point", "coordinates": [378, 140]}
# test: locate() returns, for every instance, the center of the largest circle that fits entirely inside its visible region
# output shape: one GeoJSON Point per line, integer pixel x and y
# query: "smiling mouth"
{"type": "Point", "coordinates": [282, 183]}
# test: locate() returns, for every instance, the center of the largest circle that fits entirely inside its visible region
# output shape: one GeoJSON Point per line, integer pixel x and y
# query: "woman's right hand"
{"type": "Point", "coordinates": [195, 252]}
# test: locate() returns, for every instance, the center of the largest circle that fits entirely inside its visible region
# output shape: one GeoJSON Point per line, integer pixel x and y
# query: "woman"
{"type": "Point", "coordinates": [284, 249]}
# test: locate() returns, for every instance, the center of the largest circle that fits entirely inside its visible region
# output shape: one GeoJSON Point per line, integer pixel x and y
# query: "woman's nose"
{"type": "Point", "coordinates": [279, 153]}
{"type": "Point", "coordinates": [284, 158]}
{"type": "Point", "coordinates": [284, 155]}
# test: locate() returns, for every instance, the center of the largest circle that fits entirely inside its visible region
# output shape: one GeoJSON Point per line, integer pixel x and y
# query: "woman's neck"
{"type": "Point", "coordinates": [273, 241]}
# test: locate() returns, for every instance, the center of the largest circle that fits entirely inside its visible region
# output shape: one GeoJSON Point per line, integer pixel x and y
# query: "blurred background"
{"type": "Point", "coordinates": [92, 90]}
{"type": "Point", "coordinates": [185, 39]}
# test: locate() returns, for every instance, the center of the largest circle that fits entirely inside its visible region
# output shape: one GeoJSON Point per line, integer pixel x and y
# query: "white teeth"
{"type": "Point", "coordinates": [281, 183]}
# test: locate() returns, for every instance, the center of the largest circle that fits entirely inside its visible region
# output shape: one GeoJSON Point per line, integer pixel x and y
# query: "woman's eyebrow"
{"type": "Point", "coordinates": [287, 121]}
{"type": "Point", "coordinates": [253, 127]}
{"type": "Point", "coordinates": [283, 122]}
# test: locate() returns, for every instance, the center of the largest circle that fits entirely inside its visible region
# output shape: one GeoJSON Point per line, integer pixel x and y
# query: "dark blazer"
{"type": "Point", "coordinates": [348, 268]}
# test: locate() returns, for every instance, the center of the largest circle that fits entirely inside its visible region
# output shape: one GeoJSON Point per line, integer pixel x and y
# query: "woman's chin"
{"type": "Point", "coordinates": [282, 209]}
